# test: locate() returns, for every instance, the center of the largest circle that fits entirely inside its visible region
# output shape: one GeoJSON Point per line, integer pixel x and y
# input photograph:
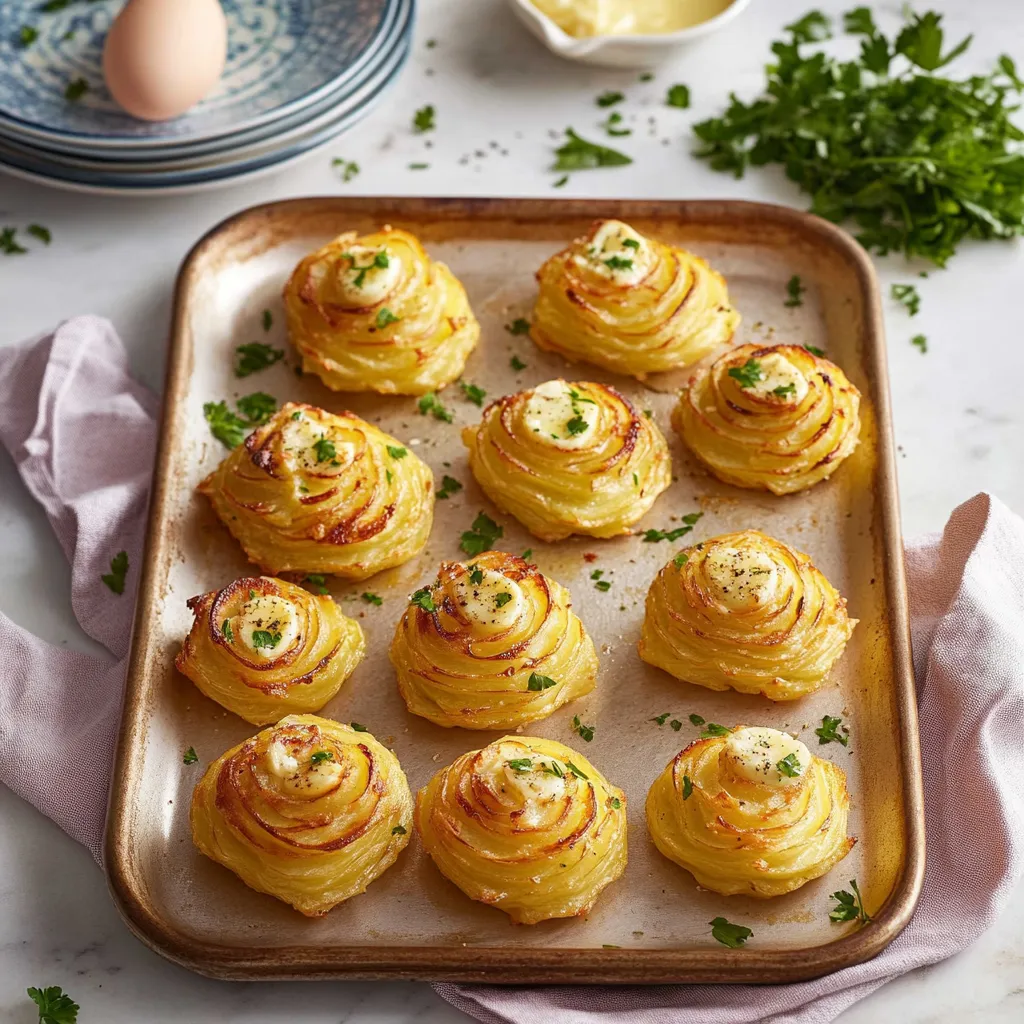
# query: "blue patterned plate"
{"type": "Point", "coordinates": [282, 56]}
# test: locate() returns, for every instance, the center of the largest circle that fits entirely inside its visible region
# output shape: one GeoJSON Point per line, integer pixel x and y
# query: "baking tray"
{"type": "Point", "coordinates": [651, 925]}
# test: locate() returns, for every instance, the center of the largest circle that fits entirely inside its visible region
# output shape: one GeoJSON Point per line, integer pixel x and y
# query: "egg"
{"type": "Point", "coordinates": [161, 57]}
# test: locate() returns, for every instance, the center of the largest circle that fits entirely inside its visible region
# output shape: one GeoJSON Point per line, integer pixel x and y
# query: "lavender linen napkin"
{"type": "Point", "coordinates": [82, 434]}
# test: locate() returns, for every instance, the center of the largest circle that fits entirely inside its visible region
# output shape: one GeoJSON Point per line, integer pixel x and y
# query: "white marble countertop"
{"type": "Point", "coordinates": [957, 410]}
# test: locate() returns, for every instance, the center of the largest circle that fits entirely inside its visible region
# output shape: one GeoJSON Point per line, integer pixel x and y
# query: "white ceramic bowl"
{"type": "Point", "coordinates": [618, 51]}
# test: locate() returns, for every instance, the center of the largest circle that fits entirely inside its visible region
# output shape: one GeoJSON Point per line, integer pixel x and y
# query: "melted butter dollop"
{"type": "Point", "coordinates": [754, 752]}
{"type": "Point", "coordinates": [551, 408]}
{"type": "Point", "coordinates": [531, 789]}
{"type": "Point", "coordinates": [742, 578]}
{"type": "Point", "coordinates": [364, 276]}
{"type": "Point", "coordinates": [494, 604]}
{"type": "Point", "coordinates": [310, 445]}
{"type": "Point", "coordinates": [616, 252]}
{"type": "Point", "coordinates": [778, 374]}
{"type": "Point", "coordinates": [266, 613]}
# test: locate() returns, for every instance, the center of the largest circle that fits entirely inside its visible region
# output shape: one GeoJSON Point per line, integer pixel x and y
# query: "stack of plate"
{"type": "Point", "coordinates": [298, 73]}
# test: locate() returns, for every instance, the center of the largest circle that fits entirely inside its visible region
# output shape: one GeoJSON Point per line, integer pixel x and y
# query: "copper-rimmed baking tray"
{"type": "Point", "coordinates": [652, 925]}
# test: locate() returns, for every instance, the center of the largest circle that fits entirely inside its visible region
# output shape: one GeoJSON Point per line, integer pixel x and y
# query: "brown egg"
{"type": "Point", "coordinates": [163, 56]}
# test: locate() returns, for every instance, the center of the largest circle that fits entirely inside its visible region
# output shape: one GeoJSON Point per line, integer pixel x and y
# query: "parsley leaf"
{"type": "Point", "coordinates": [678, 96]}
{"type": "Point", "coordinates": [795, 291]}
{"type": "Point", "coordinates": [907, 294]}
{"type": "Point", "coordinates": [473, 393]}
{"type": "Point", "coordinates": [689, 521]}
{"type": "Point", "coordinates": [27, 35]}
{"type": "Point", "coordinates": [539, 682]}
{"type": "Point", "coordinates": [9, 245]}
{"type": "Point", "coordinates": [586, 732]}
{"type": "Point", "coordinates": [319, 756]}
{"type": "Point", "coordinates": [576, 771]}
{"type": "Point", "coordinates": [731, 935]}
{"type": "Point", "coordinates": [748, 374]}
{"type": "Point", "coordinates": [915, 160]}
{"type": "Point", "coordinates": [397, 451]}
{"type": "Point", "coordinates": [76, 89]}
{"type": "Point", "coordinates": [118, 571]}
{"type": "Point", "coordinates": [687, 787]}
{"type": "Point", "coordinates": [476, 577]}
{"type": "Point", "coordinates": [789, 766]}
{"type": "Point", "coordinates": [676, 725]}
{"type": "Point", "coordinates": [423, 598]}
{"type": "Point", "coordinates": [920, 341]}
{"type": "Point", "coordinates": [374, 599]}
{"type": "Point", "coordinates": [424, 121]}
{"type": "Point", "coordinates": [264, 639]}
{"type": "Point", "coordinates": [714, 729]}
{"type": "Point", "coordinates": [318, 582]}
{"type": "Point", "coordinates": [449, 486]}
{"type": "Point", "coordinates": [258, 407]}
{"type": "Point", "coordinates": [577, 425]}
{"type": "Point", "coordinates": [399, 830]}
{"type": "Point", "coordinates": [38, 231]}
{"type": "Point", "coordinates": [520, 764]}
{"type": "Point", "coordinates": [190, 756]}
{"type": "Point", "coordinates": [828, 731]}
{"type": "Point", "coordinates": [518, 326]}
{"type": "Point", "coordinates": [849, 905]}
{"type": "Point", "coordinates": [784, 390]}
{"type": "Point", "coordinates": [228, 427]}
{"type": "Point", "coordinates": [54, 1006]}
{"type": "Point", "coordinates": [227, 631]}
{"type": "Point", "coordinates": [814, 350]}
{"type": "Point", "coordinates": [603, 585]}
{"type": "Point", "coordinates": [346, 168]}
{"type": "Point", "coordinates": [268, 320]}
{"type": "Point", "coordinates": [612, 125]}
{"type": "Point", "coordinates": [616, 803]}
{"type": "Point", "coordinates": [662, 719]}
{"type": "Point", "coordinates": [500, 600]}
{"type": "Point", "coordinates": [696, 720]}
{"type": "Point", "coordinates": [430, 403]}
{"type": "Point", "coordinates": [516, 363]}
{"type": "Point", "coordinates": [385, 317]}
{"type": "Point", "coordinates": [618, 263]}
{"type": "Point", "coordinates": [579, 155]}
{"type": "Point", "coordinates": [356, 727]}
{"type": "Point", "coordinates": [325, 450]}
{"type": "Point", "coordinates": [609, 98]}
{"type": "Point", "coordinates": [481, 536]}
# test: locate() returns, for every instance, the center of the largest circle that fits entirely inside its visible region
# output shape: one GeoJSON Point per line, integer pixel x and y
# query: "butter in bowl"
{"type": "Point", "coordinates": [623, 33]}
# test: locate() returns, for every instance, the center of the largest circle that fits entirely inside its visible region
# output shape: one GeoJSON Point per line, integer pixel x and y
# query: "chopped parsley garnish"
{"type": "Point", "coordinates": [54, 1006]}
{"type": "Point", "coordinates": [613, 125]}
{"type": "Point", "coordinates": [586, 732]}
{"type": "Point", "coordinates": [385, 317]}
{"type": "Point", "coordinates": [38, 231]}
{"type": "Point", "coordinates": [423, 599]}
{"type": "Point", "coordinates": [520, 764]}
{"type": "Point", "coordinates": [618, 263]}
{"type": "Point", "coordinates": [789, 766]}
{"type": "Point", "coordinates": [814, 350]}
{"type": "Point", "coordinates": [577, 425]}
{"type": "Point", "coordinates": [190, 756]}
{"type": "Point", "coordinates": [268, 319]}
{"type": "Point", "coordinates": [431, 404]}
{"type": "Point", "coordinates": [603, 585]}
{"type": "Point", "coordinates": [597, 574]}
{"type": "Point", "coordinates": [9, 244]}
{"type": "Point", "coordinates": [258, 407]}
{"type": "Point", "coordinates": [748, 374]}
{"type": "Point", "coordinates": [920, 341]}
{"type": "Point", "coordinates": [689, 521]}
{"type": "Point", "coordinates": [264, 639]}
{"type": "Point", "coordinates": [118, 571]}
{"type": "Point", "coordinates": [916, 160]}
{"type": "Point", "coordinates": [539, 682]}
{"type": "Point", "coordinates": [687, 787]}
{"type": "Point", "coordinates": [647, 76]}
{"type": "Point", "coordinates": [676, 725]}
{"type": "Point", "coordinates": [518, 326]}
{"type": "Point", "coordinates": [554, 768]}
{"type": "Point", "coordinates": [907, 294]}
{"type": "Point", "coordinates": [399, 830]}
{"type": "Point", "coordinates": [662, 719]}
{"type": "Point", "coordinates": [559, 182]}
{"type": "Point", "coordinates": [731, 935]}
{"type": "Point", "coordinates": [696, 720]}
{"type": "Point", "coordinates": [397, 451]}
{"type": "Point", "coordinates": [849, 905]}
{"type": "Point", "coordinates": [27, 35]}
{"type": "Point", "coordinates": [356, 727]}
{"type": "Point", "coordinates": [500, 600]}
{"type": "Point", "coordinates": [481, 536]}
{"type": "Point", "coordinates": [317, 582]}
{"type": "Point", "coordinates": [419, 167]}
{"type": "Point", "coordinates": [348, 169]}
{"type": "Point", "coordinates": [630, 243]}
{"type": "Point", "coordinates": [516, 363]}
{"type": "Point", "coordinates": [227, 632]}
{"type": "Point", "coordinates": [829, 731]}
{"type": "Point", "coordinates": [325, 450]}
{"type": "Point", "coordinates": [527, 554]}
{"type": "Point", "coordinates": [610, 98]}
{"type": "Point", "coordinates": [579, 155]}
{"type": "Point", "coordinates": [680, 560]}
{"type": "Point", "coordinates": [449, 486]}
{"type": "Point", "coordinates": [576, 771]}
{"type": "Point", "coordinates": [714, 729]}
{"type": "Point", "coordinates": [794, 291]}
{"type": "Point", "coordinates": [423, 121]}
{"type": "Point", "coordinates": [678, 96]}
{"type": "Point", "coordinates": [76, 89]}
{"type": "Point", "coordinates": [476, 577]}
{"type": "Point", "coordinates": [473, 393]}
{"type": "Point", "coordinates": [616, 803]}
{"type": "Point", "coordinates": [784, 390]}
{"type": "Point", "coordinates": [374, 599]}
{"type": "Point", "coordinates": [319, 756]}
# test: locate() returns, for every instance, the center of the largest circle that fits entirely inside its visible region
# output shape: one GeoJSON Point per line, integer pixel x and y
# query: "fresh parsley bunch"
{"type": "Point", "coordinates": [916, 160]}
